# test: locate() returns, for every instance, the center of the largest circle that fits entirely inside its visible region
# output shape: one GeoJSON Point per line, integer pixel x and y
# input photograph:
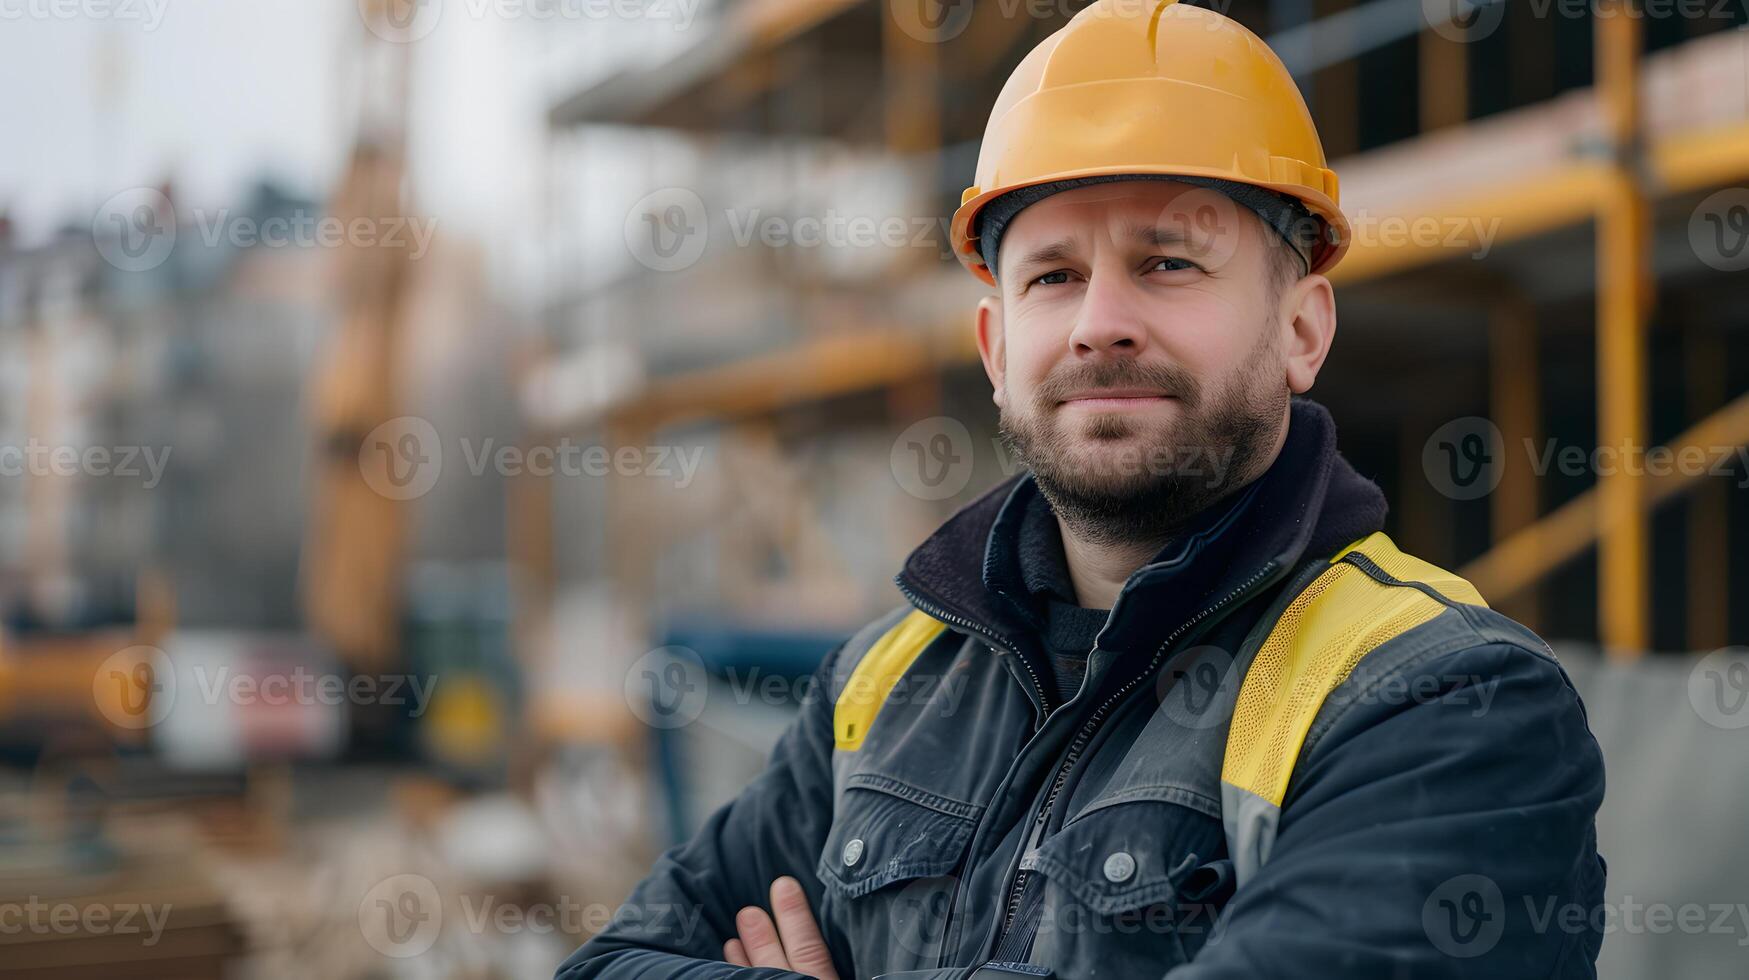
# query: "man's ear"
{"type": "Point", "coordinates": [990, 348]}
{"type": "Point", "coordinates": [1308, 319]}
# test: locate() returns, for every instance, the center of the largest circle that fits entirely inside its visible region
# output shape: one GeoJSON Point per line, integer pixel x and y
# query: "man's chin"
{"type": "Point", "coordinates": [1110, 482]}
{"type": "Point", "coordinates": [1129, 462]}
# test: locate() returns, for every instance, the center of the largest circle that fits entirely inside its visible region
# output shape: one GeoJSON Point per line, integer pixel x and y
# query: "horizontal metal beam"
{"type": "Point", "coordinates": [1570, 530]}
{"type": "Point", "coordinates": [1352, 32]}
{"type": "Point", "coordinates": [1531, 205]}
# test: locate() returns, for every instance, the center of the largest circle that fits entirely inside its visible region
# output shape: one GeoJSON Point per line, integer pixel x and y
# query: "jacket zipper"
{"type": "Point", "coordinates": [1044, 709]}
{"type": "Point", "coordinates": [1017, 886]}
{"type": "Point", "coordinates": [947, 617]}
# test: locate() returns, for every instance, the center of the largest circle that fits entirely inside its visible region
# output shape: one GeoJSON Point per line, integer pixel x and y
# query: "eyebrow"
{"type": "Point", "coordinates": [1056, 251]}
{"type": "Point", "coordinates": [1156, 236]}
{"type": "Point", "coordinates": [1064, 248]}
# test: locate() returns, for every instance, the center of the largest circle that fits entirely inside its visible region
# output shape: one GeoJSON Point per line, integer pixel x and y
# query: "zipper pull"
{"type": "Point", "coordinates": [1036, 836]}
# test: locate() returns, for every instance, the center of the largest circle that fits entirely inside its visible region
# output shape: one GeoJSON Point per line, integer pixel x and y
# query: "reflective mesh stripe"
{"type": "Point", "coordinates": [876, 674]}
{"type": "Point", "coordinates": [1342, 616]}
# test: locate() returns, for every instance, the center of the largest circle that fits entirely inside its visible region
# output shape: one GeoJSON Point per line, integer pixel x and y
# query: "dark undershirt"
{"type": "Point", "coordinates": [1069, 638]}
{"type": "Point", "coordinates": [1068, 628]}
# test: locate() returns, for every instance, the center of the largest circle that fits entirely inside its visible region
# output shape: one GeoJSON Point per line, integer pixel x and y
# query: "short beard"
{"type": "Point", "coordinates": [1152, 491]}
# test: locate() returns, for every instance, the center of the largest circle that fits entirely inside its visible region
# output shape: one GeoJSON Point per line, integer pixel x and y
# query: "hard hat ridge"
{"type": "Point", "coordinates": [1128, 89]}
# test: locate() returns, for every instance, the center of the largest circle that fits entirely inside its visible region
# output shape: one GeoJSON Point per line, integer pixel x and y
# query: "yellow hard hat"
{"type": "Point", "coordinates": [1152, 87]}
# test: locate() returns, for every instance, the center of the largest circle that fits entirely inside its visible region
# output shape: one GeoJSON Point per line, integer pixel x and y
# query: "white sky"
{"type": "Point", "coordinates": [102, 96]}
{"type": "Point", "coordinates": [217, 94]}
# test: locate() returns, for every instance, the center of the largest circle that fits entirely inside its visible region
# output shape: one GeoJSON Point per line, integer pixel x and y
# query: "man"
{"type": "Point", "coordinates": [1168, 703]}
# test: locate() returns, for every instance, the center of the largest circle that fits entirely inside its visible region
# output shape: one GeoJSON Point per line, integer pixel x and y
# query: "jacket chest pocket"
{"type": "Point", "coordinates": [1131, 887]}
{"type": "Point", "coordinates": [890, 868]}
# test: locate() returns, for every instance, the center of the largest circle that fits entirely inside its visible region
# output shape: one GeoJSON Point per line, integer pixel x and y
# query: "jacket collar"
{"type": "Point", "coordinates": [1308, 504]}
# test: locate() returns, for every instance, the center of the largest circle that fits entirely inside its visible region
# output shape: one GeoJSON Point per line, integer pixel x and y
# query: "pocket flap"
{"type": "Point", "coordinates": [1129, 855]}
{"type": "Point", "coordinates": [887, 831]}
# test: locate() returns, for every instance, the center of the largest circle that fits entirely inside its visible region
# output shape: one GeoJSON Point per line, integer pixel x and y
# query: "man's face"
{"type": "Point", "coordinates": [1142, 357]}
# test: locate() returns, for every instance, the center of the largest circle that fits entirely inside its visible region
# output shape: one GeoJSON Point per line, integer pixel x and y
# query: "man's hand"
{"type": "Point", "coordinates": [793, 944]}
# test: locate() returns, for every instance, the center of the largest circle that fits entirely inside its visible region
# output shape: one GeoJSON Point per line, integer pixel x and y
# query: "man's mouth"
{"type": "Point", "coordinates": [1117, 398]}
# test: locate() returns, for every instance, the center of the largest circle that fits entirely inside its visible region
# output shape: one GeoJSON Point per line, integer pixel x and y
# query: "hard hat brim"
{"type": "Point", "coordinates": [965, 244]}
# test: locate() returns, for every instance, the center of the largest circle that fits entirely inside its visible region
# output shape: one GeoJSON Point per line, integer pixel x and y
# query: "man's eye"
{"type": "Point", "coordinates": [1051, 279]}
{"type": "Point", "coordinates": [1172, 265]}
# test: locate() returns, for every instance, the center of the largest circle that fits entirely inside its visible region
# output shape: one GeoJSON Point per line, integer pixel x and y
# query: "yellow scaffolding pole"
{"type": "Point", "coordinates": [1515, 401]}
{"type": "Point", "coordinates": [1623, 302]}
{"type": "Point", "coordinates": [1530, 555]}
{"type": "Point", "coordinates": [1709, 515]}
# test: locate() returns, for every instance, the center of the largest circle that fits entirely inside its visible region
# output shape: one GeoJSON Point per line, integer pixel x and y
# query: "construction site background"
{"type": "Point", "coordinates": [439, 438]}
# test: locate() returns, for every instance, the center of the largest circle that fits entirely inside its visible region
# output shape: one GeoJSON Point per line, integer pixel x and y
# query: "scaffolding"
{"type": "Point", "coordinates": [1599, 176]}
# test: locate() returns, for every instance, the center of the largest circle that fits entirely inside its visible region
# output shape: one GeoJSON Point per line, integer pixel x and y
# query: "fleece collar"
{"type": "Point", "coordinates": [1308, 504]}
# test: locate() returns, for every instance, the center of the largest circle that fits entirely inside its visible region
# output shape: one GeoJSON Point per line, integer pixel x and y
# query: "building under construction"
{"type": "Point", "coordinates": [733, 384]}
{"type": "Point", "coordinates": [1545, 238]}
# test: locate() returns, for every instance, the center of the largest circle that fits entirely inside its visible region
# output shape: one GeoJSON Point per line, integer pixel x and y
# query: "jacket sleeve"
{"type": "Point", "coordinates": [675, 923]}
{"type": "Point", "coordinates": [1445, 835]}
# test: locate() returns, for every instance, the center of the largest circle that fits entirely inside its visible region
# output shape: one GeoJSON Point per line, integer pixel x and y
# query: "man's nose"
{"type": "Point", "coordinates": [1110, 318]}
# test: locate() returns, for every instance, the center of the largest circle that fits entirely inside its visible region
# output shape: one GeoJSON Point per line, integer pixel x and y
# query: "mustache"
{"type": "Point", "coordinates": [1170, 378]}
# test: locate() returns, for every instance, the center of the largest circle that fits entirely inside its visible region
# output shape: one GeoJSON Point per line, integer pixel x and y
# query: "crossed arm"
{"type": "Point", "coordinates": [793, 942]}
{"type": "Point", "coordinates": [701, 912]}
{"type": "Point", "coordinates": [1399, 801]}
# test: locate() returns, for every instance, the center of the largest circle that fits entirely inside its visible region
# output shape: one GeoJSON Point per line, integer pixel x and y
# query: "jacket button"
{"type": "Point", "coordinates": [1119, 867]}
{"type": "Point", "coordinates": [853, 852]}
